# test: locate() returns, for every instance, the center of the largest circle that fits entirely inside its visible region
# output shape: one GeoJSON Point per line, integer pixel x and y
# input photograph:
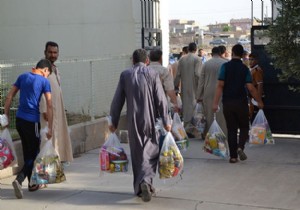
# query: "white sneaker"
{"type": "Point", "coordinates": [18, 189]}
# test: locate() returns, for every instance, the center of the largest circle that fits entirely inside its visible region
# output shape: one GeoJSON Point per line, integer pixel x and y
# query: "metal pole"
{"type": "Point", "coordinates": [262, 12]}
{"type": "Point", "coordinates": [142, 15]}
{"type": "Point", "coordinates": [251, 13]}
{"type": "Point", "coordinates": [272, 11]}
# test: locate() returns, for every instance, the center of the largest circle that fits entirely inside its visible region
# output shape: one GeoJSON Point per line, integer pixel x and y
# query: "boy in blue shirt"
{"type": "Point", "coordinates": [233, 80]}
{"type": "Point", "coordinates": [31, 85]}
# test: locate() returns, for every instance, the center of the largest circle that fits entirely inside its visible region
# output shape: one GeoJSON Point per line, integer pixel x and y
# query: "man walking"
{"type": "Point", "coordinates": [165, 76]}
{"type": "Point", "coordinates": [257, 80]}
{"type": "Point", "coordinates": [188, 73]}
{"type": "Point", "coordinates": [31, 85]}
{"type": "Point", "coordinates": [233, 78]}
{"type": "Point", "coordinates": [207, 88]}
{"type": "Point", "coordinates": [140, 86]}
{"type": "Point", "coordinates": [60, 138]}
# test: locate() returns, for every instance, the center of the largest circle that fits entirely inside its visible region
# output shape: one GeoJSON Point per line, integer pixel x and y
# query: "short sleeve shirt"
{"type": "Point", "coordinates": [235, 76]}
{"type": "Point", "coordinates": [31, 87]}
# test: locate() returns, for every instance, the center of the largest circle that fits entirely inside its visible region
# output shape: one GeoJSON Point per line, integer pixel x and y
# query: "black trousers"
{"type": "Point", "coordinates": [236, 113]}
{"type": "Point", "coordinates": [30, 137]}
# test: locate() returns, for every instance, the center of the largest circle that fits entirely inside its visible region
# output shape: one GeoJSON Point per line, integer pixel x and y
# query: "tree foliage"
{"type": "Point", "coordinates": [284, 45]}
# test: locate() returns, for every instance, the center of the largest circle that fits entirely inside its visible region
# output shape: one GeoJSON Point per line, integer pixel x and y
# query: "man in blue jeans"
{"type": "Point", "coordinates": [31, 85]}
{"type": "Point", "coordinates": [233, 80]}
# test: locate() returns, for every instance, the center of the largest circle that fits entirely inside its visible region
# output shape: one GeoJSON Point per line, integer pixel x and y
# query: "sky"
{"type": "Point", "coordinates": [217, 11]}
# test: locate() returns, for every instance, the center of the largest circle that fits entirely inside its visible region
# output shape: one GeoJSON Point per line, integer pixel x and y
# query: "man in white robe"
{"type": "Point", "coordinates": [60, 138]}
{"type": "Point", "coordinates": [207, 88]}
{"type": "Point", "coordinates": [188, 73]}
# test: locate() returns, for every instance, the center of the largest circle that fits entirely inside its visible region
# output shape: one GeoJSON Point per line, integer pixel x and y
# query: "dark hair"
{"type": "Point", "coordinates": [215, 51]}
{"type": "Point", "coordinates": [44, 63]}
{"type": "Point", "coordinates": [222, 49]}
{"type": "Point", "coordinates": [185, 49]}
{"type": "Point", "coordinates": [254, 55]}
{"type": "Point", "coordinates": [192, 47]}
{"type": "Point", "coordinates": [139, 55]}
{"type": "Point", "coordinates": [52, 44]}
{"type": "Point", "coordinates": [155, 55]}
{"type": "Point", "coordinates": [238, 50]}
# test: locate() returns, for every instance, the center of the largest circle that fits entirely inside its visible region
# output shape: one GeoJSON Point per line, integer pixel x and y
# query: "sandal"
{"type": "Point", "coordinates": [36, 187]}
{"type": "Point", "coordinates": [233, 160]}
{"type": "Point", "coordinates": [241, 154]}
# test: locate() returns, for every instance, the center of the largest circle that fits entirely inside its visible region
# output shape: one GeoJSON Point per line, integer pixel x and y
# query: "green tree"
{"type": "Point", "coordinates": [226, 28]}
{"type": "Point", "coordinates": [284, 45]}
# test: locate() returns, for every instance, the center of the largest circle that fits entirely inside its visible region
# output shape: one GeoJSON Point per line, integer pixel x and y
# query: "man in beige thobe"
{"type": "Point", "coordinates": [207, 88]}
{"type": "Point", "coordinates": [188, 73]}
{"type": "Point", "coordinates": [60, 137]}
{"type": "Point", "coordinates": [165, 76]}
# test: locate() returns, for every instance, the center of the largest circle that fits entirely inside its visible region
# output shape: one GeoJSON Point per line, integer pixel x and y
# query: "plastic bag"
{"type": "Point", "coordinates": [199, 120]}
{"type": "Point", "coordinates": [8, 157]}
{"type": "Point", "coordinates": [47, 167]}
{"type": "Point", "coordinates": [260, 132]}
{"type": "Point", "coordinates": [170, 158]}
{"type": "Point", "coordinates": [215, 140]}
{"type": "Point", "coordinates": [112, 156]}
{"type": "Point", "coordinates": [3, 120]}
{"type": "Point", "coordinates": [179, 133]}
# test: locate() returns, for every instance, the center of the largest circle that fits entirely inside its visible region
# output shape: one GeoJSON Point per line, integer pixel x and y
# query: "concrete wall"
{"type": "Point", "coordinates": [83, 28]}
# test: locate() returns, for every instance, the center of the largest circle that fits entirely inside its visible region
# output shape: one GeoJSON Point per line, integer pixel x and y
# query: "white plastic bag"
{"type": "Point", "coordinates": [179, 133]}
{"type": "Point", "coordinates": [199, 120]}
{"type": "Point", "coordinates": [112, 156]}
{"type": "Point", "coordinates": [215, 140]}
{"type": "Point", "coordinates": [170, 159]}
{"type": "Point", "coordinates": [47, 167]}
{"type": "Point", "coordinates": [260, 132]}
{"type": "Point", "coordinates": [8, 157]}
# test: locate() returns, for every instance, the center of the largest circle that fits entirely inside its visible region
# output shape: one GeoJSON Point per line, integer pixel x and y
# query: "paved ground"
{"type": "Point", "coordinates": [269, 179]}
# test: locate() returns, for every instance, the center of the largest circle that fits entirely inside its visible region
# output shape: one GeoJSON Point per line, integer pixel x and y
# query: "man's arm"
{"type": "Point", "coordinates": [255, 95]}
{"type": "Point", "coordinates": [117, 105]}
{"type": "Point", "coordinates": [218, 94]}
{"type": "Point", "coordinates": [43, 108]}
{"type": "Point", "coordinates": [200, 89]}
{"type": "Point", "coordinates": [49, 114]}
{"type": "Point", "coordinates": [11, 94]}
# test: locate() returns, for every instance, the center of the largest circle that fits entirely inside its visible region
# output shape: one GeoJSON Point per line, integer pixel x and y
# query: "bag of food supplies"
{"type": "Point", "coordinates": [179, 133]}
{"type": "Point", "coordinates": [170, 158]}
{"type": "Point", "coordinates": [47, 167]}
{"type": "Point", "coordinates": [8, 157]}
{"type": "Point", "coordinates": [112, 156]}
{"type": "Point", "coordinates": [260, 132]}
{"type": "Point", "coordinates": [199, 120]}
{"type": "Point", "coordinates": [215, 140]}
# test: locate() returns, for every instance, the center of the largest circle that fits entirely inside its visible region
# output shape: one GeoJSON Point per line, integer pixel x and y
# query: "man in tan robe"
{"type": "Point", "coordinates": [207, 88]}
{"type": "Point", "coordinates": [188, 73]}
{"type": "Point", "coordinates": [60, 138]}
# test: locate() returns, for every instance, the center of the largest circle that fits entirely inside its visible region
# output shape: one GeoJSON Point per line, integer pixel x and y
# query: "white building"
{"type": "Point", "coordinates": [96, 40]}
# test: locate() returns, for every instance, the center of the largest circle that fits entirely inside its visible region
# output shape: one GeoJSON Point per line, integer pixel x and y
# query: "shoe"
{"type": "Point", "coordinates": [146, 194]}
{"type": "Point", "coordinates": [18, 189]}
{"type": "Point", "coordinates": [233, 160]}
{"type": "Point", "coordinates": [191, 136]}
{"type": "Point", "coordinates": [241, 154]}
{"type": "Point", "coordinates": [36, 187]}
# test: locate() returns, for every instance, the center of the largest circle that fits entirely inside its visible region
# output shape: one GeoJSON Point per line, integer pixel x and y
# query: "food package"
{"type": "Point", "coordinates": [260, 132]}
{"type": "Point", "coordinates": [112, 156]}
{"type": "Point", "coordinates": [199, 120]}
{"type": "Point", "coordinates": [170, 159]}
{"type": "Point", "coordinates": [47, 167]}
{"type": "Point", "coordinates": [179, 133]}
{"type": "Point", "coordinates": [215, 141]}
{"type": "Point", "coordinates": [8, 155]}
